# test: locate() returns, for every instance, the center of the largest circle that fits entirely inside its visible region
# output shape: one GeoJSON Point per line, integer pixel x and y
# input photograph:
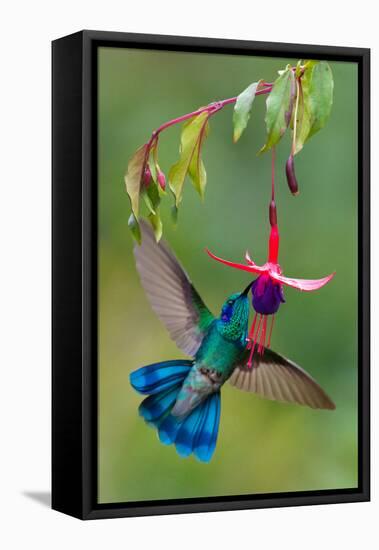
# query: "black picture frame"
{"type": "Point", "coordinates": [74, 273]}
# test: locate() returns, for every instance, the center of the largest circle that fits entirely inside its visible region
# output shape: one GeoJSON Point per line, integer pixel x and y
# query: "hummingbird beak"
{"type": "Point", "coordinates": [246, 291]}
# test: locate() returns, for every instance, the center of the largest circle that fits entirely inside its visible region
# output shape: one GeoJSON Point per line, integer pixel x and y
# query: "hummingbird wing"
{"type": "Point", "coordinates": [274, 377]}
{"type": "Point", "coordinates": [171, 293]}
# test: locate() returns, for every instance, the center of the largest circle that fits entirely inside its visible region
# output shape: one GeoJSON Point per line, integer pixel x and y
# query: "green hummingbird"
{"type": "Point", "coordinates": [184, 399]}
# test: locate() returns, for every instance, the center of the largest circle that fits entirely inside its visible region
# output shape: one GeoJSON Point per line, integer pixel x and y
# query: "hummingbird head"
{"type": "Point", "coordinates": [235, 315]}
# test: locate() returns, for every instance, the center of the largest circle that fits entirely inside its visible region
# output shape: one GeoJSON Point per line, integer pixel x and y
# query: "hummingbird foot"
{"type": "Point", "coordinates": [213, 375]}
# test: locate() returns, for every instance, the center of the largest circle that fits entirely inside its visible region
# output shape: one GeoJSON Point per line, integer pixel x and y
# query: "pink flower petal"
{"type": "Point", "coordinates": [259, 269]}
{"type": "Point", "coordinates": [302, 284]}
{"type": "Point", "coordinates": [248, 259]}
{"type": "Point", "coordinates": [250, 269]}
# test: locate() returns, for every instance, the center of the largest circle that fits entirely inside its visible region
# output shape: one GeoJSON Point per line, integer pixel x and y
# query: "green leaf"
{"type": "Point", "coordinates": [153, 193]}
{"type": "Point", "coordinates": [196, 169]}
{"type": "Point", "coordinates": [135, 228]}
{"type": "Point", "coordinates": [156, 224]}
{"type": "Point", "coordinates": [174, 214]}
{"type": "Point", "coordinates": [153, 170]}
{"type": "Point", "coordinates": [320, 95]}
{"type": "Point", "coordinates": [278, 107]}
{"type": "Point", "coordinates": [148, 202]}
{"type": "Point", "coordinates": [191, 133]}
{"type": "Point", "coordinates": [242, 108]}
{"type": "Point", "coordinates": [303, 118]}
{"type": "Point", "coordinates": [315, 101]}
{"type": "Point", "coordinates": [198, 174]}
{"type": "Point", "coordinates": [133, 178]}
{"type": "Point", "coordinates": [154, 166]}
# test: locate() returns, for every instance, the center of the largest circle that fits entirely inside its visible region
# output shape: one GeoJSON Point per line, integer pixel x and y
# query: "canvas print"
{"type": "Point", "coordinates": [227, 275]}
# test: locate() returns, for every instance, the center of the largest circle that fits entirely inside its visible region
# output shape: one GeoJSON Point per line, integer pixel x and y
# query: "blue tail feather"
{"type": "Point", "coordinates": [168, 430]}
{"type": "Point", "coordinates": [195, 433]}
{"type": "Point", "coordinates": [155, 406]}
{"type": "Point", "coordinates": [207, 438]}
{"type": "Point", "coordinates": [160, 376]}
{"type": "Point", "coordinates": [202, 427]}
{"type": "Point", "coordinates": [188, 430]}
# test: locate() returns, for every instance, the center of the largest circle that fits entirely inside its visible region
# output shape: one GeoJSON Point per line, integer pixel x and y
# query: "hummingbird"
{"type": "Point", "coordinates": [184, 395]}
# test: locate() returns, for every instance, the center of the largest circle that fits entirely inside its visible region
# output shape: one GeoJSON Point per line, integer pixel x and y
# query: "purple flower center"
{"type": "Point", "coordinates": [267, 295]}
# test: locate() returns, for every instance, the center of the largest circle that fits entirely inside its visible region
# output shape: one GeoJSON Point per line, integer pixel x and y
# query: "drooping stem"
{"type": "Point", "coordinates": [211, 109]}
{"type": "Point", "coordinates": [273, 217]}
{"type": "Point", "coordinates": [273, 245]}
{"type": "Point", "coordinates": [273, 174]}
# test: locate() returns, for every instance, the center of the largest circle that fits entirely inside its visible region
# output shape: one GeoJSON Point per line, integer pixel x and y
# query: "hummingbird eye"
{"type": "Point", "coordinates": [230, 302]}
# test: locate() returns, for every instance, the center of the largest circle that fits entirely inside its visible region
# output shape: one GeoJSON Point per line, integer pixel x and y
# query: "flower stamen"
{"type": "Point", "coordinates": [259, 336]}
{"type": "Point", "coordinates": [262, 340]}
{"type": "Point", "coordinates": [254, 339]}
{"type": "Point", "coordinates": [251, 332]}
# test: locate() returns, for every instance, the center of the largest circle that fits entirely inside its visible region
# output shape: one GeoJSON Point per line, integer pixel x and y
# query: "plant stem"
{"type": "Point", "coordinates": [212, 108]}
{"type": "Point", "coordinates": [273, 174]}
{"type": "Point", "coordinates": [272, 211]}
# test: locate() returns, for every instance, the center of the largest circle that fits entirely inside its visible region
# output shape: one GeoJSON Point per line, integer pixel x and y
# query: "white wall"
{"type": "Point", "coordinates": [26, 31]}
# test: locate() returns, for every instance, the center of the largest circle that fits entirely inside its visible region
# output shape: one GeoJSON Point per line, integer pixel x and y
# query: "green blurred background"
{"type": "Point", "coordinates": [263, 446]}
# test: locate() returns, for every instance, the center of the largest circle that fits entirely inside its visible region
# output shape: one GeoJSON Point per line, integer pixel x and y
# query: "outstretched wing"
{"type": "Point", "coordinates": [275, 377]}
{"type": "Point", "coordinates": [171, 293]}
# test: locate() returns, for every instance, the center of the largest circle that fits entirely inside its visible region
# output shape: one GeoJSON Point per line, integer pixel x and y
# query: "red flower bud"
{"type": "Point", "coordinates": [291, 177]}
{"type": "Point", "coordinates": [161, 180]}
{"type": "Point", "coordinates": [147, 176]}
{"type": "Point", "coordinates": [272, 214]}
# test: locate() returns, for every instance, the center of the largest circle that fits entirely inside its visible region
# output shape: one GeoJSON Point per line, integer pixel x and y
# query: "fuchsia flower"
{"type": "Point", "coordinates": [267, 289]}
